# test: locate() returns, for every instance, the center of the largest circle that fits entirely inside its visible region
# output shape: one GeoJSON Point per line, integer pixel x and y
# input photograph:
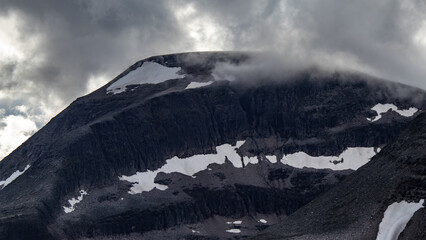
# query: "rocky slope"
{"type": "Point", "coordinates": [355, 208]}
{"type": "Point", "coordinates": [150, 156]}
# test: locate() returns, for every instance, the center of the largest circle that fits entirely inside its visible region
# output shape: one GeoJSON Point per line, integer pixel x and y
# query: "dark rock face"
{"type": "Point", "coordinates": [101, 137]}
{"type": "Point", "coordinates": [355, 208]}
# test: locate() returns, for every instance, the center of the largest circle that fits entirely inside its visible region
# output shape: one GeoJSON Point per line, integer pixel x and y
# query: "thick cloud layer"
{"type": "Point", "coordinates": [54, 51]}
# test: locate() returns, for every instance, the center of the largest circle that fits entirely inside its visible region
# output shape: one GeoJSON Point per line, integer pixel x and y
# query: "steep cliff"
{"type": "Point", "coordinates": [356, 208]}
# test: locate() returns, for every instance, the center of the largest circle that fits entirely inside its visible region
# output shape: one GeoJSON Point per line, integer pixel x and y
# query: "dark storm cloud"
{"type": "Point", "coordinates": [84, 38]}
{"type": "Point", "coordinates": [7, 69]}
{"type": "Point", "coordinates": [373, 36]}
{"type": "Point", "coordinates": [254, 24]}
{"type": "Point", "coordinates": [378, 33]}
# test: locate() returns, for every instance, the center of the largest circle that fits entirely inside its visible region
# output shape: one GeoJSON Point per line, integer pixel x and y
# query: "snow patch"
{"type": "Point", "coordinates": [195, 231]}
{"type": "Point", "coordinates": [396, 218]}
{"type": "Point", "coordinates": [351, 158]}
{"type": "Point", "coordinates": [144, 181]}
{"type": "Point", "coordinates": [251, 160]}
{"type": "Point", "coordinates": [263, 221]}
{"type": "Point", "coordinates": [198, 84]}
{"type": "Point", "coordinates": [272, 159]}
{"type": "Point", "coordinates": [149, 72]}
{"type": "Point", "coordinates": [382, 108]}
{"type": "Point", "coordinates": [235, 222]}
{"type": "Point", "coordinates": [74, 201]}
{"type": "Point", "coordinates": [234, 231]}
{"type": "Point", "coordinates": [12, 177]}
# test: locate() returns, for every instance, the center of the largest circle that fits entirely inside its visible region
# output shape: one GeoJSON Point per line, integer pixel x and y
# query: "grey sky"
{"type": "Point", "coordinates": [54, 51]}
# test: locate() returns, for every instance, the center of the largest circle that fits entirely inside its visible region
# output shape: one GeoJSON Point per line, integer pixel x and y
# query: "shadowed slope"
{"type": "Point", "coordinates": [354, 209]}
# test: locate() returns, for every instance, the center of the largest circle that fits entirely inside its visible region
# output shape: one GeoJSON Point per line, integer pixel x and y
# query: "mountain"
{"type": "Point", "coordinates": [170, 149]}
{"type": "Point", "coordinates": [389, 185]}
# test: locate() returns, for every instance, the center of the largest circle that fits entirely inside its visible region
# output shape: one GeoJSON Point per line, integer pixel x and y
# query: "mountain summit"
{"type": "Point", "coordinates": [178, 147]}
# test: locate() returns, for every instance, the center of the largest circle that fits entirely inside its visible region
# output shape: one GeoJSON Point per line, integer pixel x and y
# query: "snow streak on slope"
{"type": "Point", "coordinates": [234, 230]}
{"type": "Point", "coordinates": [149, 72]}
{"type": "Point", "coordinates": [198, 84]}
{"type": "Point", "coordinates": [235, 222]}
{"type": "Point", "coordinates": [12, 177]}
{"type": "Point", "coordinates": [396, 218]}
{"type": "Point", "coordinates": [351, 158]}
{"type": "Point", "coordinates": [74, 201]}
{"type": "Point", "coordinates": [382, 108]}
{"type": "Point", "coordinates": [144, 181]}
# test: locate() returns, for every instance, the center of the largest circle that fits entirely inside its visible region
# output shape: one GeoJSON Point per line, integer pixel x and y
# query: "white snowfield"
{"type": "Point", "coordinates": [234, 231]}
{"type": "Point", "coordinates": [144, 181]}
{"type": "Point", "coordinates": [12, 177]}
{"type": "Point", "coordinates": [351, 158]}
{"type": "Point", "coordinates": [193, 85]}
{"type": "Point", "coordinates": [396, 218]}
{"type": "Point", "coordinates": [382, 108]}
{"type": "Point", "coordinates": [74, 201]}
{"type": "Point", "coordinates": [272, 159]}
{"type": "Point", "coordinates": [149, 72]}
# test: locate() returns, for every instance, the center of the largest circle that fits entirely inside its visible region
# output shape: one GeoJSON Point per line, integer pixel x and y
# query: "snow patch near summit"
{"type": "Point", "coordinates": [383, 108]}
{"type": "Point", "coordinates": [144, 181]}
{"type": "Point", "coordinates": [396, 218]}
{"type": "Point", "coordinates": [193, 85]}
{"type": "Point", "coordinates": [149, 72]}
{"type": "Point", "coordinates": [12, 177]}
